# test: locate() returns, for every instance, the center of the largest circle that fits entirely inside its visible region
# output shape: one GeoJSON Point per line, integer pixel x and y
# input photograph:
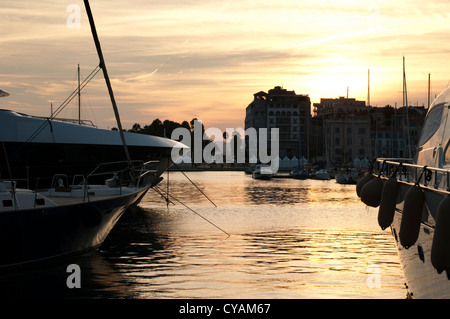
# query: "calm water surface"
{"type": "Point", "coordinates": [288, 239]}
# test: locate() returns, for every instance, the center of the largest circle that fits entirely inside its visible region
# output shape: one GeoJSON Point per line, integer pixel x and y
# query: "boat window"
{"type": "Point", "coordinates": [40, 201]}
{"type": "Point", "coordinates": [432, 123]}
{"type": "Point", "coordinates": [7, 203]}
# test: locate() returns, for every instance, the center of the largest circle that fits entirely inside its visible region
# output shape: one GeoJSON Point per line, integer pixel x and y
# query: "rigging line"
{"type": "Point", "coordinates": [194, 184]}
{"type": "Point", "coordinates": [168, 185]}
{"type": "Point", "coordinates": [64, 104]}
{"type": "Point", "coordinates": [198, 214]}
{"type": "Point", "coordinates": [58, 110]}
{"type": "Point", "coordinates": [161, 193]}
{"type": "Point", "coordinates": [75, 92]}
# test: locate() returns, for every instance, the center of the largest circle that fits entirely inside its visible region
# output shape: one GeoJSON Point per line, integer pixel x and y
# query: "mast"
{"type": "Point", "coordinates": [429, 80]}
{"type": "Point", "coordinates": [79, 97]}
{"type": "Point", "coordinates": [368, 87]}
{"type": "Point", "coordinates": [105, 74]}
{"type": "Point", "coordinates": [405, 103]}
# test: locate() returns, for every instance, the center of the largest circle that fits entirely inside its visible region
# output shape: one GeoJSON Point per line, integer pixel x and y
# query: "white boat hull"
{"type": "Point", "coordinates": [421, 279]}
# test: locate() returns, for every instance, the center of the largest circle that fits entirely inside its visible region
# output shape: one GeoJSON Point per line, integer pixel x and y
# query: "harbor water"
{"type": "Point", "coordinates": [282, 238]}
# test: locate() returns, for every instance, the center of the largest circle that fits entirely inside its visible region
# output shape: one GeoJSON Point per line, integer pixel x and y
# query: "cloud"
{"type": "Point", "coordinates": [205, 59]}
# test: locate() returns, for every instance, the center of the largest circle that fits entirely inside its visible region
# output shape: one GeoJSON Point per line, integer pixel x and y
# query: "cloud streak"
{"type": "Point", "coordinates": [205, 59]}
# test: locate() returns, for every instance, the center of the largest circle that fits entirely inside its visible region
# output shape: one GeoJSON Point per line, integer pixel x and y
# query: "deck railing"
{"type": "Point", "coordinates": [433, 178]}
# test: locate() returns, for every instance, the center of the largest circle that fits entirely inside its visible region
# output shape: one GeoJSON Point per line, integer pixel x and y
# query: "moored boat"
{"type": "Point", "coordinates": [321, 175]}
{"type": "Point", "coordinates": [74, 213]}
{"type": "Point", "coordinates": [347, 176]}
{"type": "Point", "coordinates": [71, 217]}
{"type": "Point", "coordinates": [262, 172]}
{"type": "Point", "coordinates": [41, 147]}
{"type": "Point", "coordinates": [412, 196]}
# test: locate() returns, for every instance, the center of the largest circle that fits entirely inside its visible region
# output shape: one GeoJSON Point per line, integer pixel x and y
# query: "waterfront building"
{"type": "Point", "coordinates": [346, 129]}
{"type": "Point", "coordinates": [287, 111]}
{"type": "Point", "coordinates": [395, 132]}
{"type": "Point", "coordinates": [341, 130]}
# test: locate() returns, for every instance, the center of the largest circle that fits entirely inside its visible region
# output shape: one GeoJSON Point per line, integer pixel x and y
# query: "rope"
{"type": "Point", "coordinates": [194, 184]}
{"type": "Point", "coordinates": [198, 214]}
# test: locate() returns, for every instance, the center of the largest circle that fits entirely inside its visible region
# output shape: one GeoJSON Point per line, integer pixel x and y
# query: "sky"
{"type": "Point", "coordinates": [185, 59]}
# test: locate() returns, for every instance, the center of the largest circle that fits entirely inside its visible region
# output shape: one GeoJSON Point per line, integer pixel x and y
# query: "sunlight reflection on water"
{"type": "Point", "coordinates": [289, 239]}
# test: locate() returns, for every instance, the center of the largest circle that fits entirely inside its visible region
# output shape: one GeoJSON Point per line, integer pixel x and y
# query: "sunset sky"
{"type": "Point", "coordinates": [180, 59]}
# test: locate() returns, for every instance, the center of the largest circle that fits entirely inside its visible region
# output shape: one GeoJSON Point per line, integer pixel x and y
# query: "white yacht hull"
{"type": "Point", "coordinates": [421, 279]}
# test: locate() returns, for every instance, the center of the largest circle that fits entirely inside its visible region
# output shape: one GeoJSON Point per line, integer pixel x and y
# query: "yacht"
{"type": "Point", "coordinates": [73, 216]}
{"type": "Point", "coordinates": [412, 196]}
{"type": "Point", "coordinates": [36, 148]}
{"type": "Point", "coordinates": [79, 180]}
{"type": "Point", "coordinates": [39, 147]}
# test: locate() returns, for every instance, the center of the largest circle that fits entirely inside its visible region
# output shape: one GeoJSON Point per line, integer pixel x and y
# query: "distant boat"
{"type": "Point", "coordinates": [262, 172]}
{"type": "Point", "coordinates": [347, 177]}
{"type": "Point", "coordinates": [249, 171]}
{"type": "Point", "coordinates": [300, 175]}
{"type": "Point", "coordinates": [321, 175]}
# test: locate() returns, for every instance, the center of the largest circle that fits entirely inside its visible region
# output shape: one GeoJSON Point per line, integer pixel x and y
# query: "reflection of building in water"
{"type": "Point", "coordinates": [282, 195]}
{"type": "Point", "coordinates": [287, 111]}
